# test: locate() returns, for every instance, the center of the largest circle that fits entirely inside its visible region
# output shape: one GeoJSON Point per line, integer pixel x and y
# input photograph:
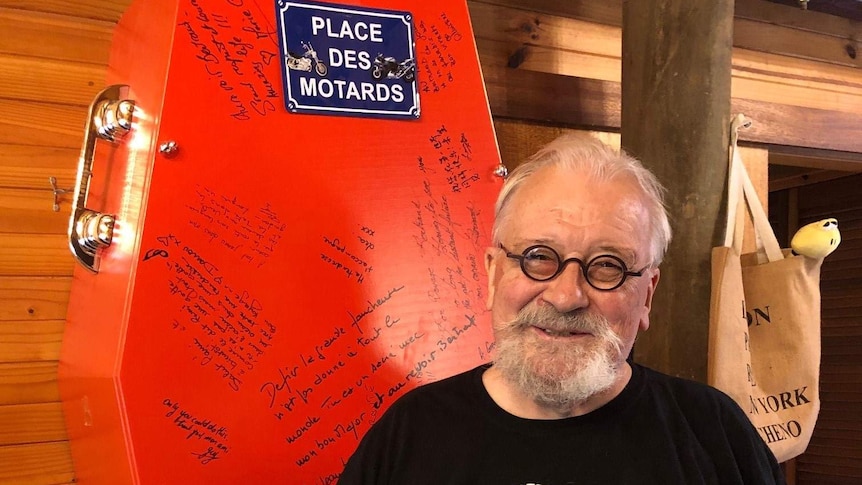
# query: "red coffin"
{"type": "Point", "coordinates": [263, 284]}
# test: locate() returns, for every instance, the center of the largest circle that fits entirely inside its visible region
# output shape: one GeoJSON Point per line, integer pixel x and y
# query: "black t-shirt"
{"type": "Point", "coordinates": [659, 430]}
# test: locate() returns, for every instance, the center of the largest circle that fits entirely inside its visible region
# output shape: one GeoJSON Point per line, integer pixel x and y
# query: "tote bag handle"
{"type": "Point", "coordinates": [740, 187]}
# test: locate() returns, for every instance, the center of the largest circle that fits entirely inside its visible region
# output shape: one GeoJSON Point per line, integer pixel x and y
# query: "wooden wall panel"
{"type": "Point", "coordinates": [28, 383]}
{"type": "Point", "coordinates": [43, 125]}
{"type": "Point", "coordinates": [28, 211]}
{"type": "Point", "coordinates": [71, 39]}
{"type": "Point", "coordinates": [835, 453]}
{"type": "Point", "coordinates": [49, 81]}
{"type": "Point", "coordinates": [30, 166]}
{"type": "Point", "coordinates": [35, 255]}
{"type": "Point", "coordinates": [30, 341]}
{"type": "Point", "coordinates": [107, 10]}
{"type": "Point", "coordinates": [52, 62]}
{"type": "Point", "coordinates": [36, 464]}
{"type": "Point", "coordinates": [34, 298]}
{"type": "Point", "coordinates": [32, 423]}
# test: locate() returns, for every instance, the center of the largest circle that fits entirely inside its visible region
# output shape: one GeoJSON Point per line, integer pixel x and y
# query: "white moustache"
{"type": "Point", "coordinates": [547, 318]}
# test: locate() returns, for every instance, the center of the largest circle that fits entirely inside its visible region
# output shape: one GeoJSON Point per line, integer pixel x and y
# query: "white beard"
{"type": "Point", "coordinates": [558, 374]}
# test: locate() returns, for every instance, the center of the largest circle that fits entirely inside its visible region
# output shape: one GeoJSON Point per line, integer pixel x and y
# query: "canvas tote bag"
{"type": "Point", "coordinates": [764, 329]}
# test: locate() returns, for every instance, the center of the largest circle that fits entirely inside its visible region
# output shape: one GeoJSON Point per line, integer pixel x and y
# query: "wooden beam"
{"type": "Point", "coordinates": [594, 104]}
{"type": "Point", "coordinates": [796, 18]}
{"type": "Point", "coordinates": [822, 159]}
{"type": "Point", "coordinates": [607, 12]}
{"type": "Point", "coordinates": [781, 124]}
{"type": "Point", "coordinates": [778, 39]}
{"type": "Point", "coordinates": [675, 116]}
{"type": "Point", "coordinates": [803, 179]}
{"type": "Point", "coordinates": [536, 96]}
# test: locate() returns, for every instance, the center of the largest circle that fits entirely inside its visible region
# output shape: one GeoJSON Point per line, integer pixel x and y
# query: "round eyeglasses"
{"type": "Point", "coordinates": [605, 272]}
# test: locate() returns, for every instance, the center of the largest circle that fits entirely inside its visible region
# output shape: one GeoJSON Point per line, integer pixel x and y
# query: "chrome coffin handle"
{"type": "Point", "coordinates": [110, 119]}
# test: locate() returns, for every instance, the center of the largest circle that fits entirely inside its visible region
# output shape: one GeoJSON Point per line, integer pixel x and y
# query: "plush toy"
{"type": "Point", "coordinates": [816, 240]}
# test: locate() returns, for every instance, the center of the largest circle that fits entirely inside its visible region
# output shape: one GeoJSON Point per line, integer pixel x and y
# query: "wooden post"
{"type": "Point", "coordinates": [675, 114]}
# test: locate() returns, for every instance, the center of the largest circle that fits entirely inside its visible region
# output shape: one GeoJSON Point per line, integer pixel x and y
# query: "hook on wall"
{"type": "Point", "coordinates": [57, 192]}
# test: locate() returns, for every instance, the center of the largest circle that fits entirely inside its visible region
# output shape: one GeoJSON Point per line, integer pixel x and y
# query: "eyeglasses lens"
{"type": "Point", "coordinates": [603, 272]}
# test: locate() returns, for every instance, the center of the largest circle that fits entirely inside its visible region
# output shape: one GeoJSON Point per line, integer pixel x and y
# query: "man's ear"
{"type": "Point", "coordinates": [491, 269]}
{"type": "Point", "coordinates": [647, 306]}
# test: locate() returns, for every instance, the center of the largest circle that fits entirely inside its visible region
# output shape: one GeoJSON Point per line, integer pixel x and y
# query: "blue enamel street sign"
{"type": "Point", "coordinates": [345, 60]}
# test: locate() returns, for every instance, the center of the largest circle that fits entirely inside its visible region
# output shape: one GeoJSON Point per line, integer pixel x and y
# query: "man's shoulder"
{"type": "Point", "coordinates": [686, 393]}
{"type": "Point", "coordinates": [461, 382]}
{"type": "Point", "coordinates": [449, 391]}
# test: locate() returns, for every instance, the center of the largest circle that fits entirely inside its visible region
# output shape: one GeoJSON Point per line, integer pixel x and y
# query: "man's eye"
{"type": "Point", "coordinates": [540, 255]}
{"type": "Point", "coordinates": [606, 265]}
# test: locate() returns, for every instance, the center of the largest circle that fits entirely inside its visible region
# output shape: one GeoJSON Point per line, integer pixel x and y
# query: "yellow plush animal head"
{"type": "Point", "coordinates": [817, 240]}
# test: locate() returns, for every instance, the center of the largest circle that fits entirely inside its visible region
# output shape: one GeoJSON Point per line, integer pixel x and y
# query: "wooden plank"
{"type": "Point", "coordinates": [34, 298]}
{"type": "Point", "coordinates": [542, 97]}
{"type": "Point", "coordinates": [677, 125]}
{"type": "Point", "coordinates": [559, 45]}
{"type": "Point", "coordinates": [777, 39]}
{"type": "Point", "coordinates": [30, 211]}
{"type": "Point", "coordinates": [798, 82]}
{"type": "Point", "coordinates": [551, 98]}
{"type": "Point", "coordinates": [823, 198]}
{"type": "Point", "coordinates": [42, 124]}
{"type": "Point", "coordinates": [608, 12]}
{"type": "Point", "coordinates": [107, 10]}
{"type": "Point", "coordinates": [807, 178]}
{"type": "Point", "coordinates": [36, 464]}
{"type": "Point", "coordinates": [519, 140]}
{"type": "Point", "coordinates": [35, 255]}
{"type": "Point", "coordinates": [28, 382]}
{"type": "Point", "coordinates": [795, 126]}
{"type": "Point", "coordinates": [520, 26]}
{"type": "Point", "coordinates": [47, 81]}
{"type": "Point", "coordinates": [51, 36]}
{"type": "Point", "coordinates": [25, 341]}
{"type": "Point", "coordinates": [31, 423]}
{"type": "Point", "coordinates": [817, 160]}
{"type": "Point", "coordinates": [30, 166]}
{"type": "Point", "coordinates": [795, 18]}
{"type": "Point", "coordinates": [758, 25]}
{"type": "Point", "coordinates": [500, 54]}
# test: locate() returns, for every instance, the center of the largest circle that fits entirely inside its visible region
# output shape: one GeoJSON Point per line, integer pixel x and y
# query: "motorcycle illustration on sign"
{"type": "Point", "coordinates": [306, 61]}
{"type": "Point", "coordinates": [390, 68]}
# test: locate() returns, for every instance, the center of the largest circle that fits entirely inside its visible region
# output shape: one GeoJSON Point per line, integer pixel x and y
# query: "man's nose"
{"type": "Point", "coordinates": [568, 291]}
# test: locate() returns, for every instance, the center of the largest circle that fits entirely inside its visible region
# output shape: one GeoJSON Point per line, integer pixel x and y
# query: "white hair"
{"type": "Point", "coordinates": [586, 154]}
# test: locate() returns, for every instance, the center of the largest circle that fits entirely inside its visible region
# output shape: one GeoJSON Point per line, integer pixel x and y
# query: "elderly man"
{"type": "Point", "coordinates": [580, 231]}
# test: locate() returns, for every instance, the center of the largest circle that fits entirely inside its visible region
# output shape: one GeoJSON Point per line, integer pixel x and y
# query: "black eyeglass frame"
{"type": "Point", "coordinates": [562, 263]}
